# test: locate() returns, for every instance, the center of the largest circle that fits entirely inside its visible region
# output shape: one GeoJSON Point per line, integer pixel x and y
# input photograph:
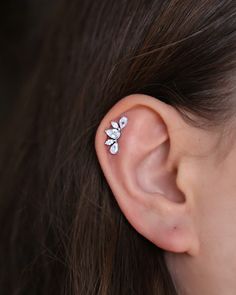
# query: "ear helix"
{"type": "Point", "coordinates": [114, 134]}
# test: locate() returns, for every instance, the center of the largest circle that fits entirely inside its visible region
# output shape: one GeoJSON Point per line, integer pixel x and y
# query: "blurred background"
{"type": "Point", "coordinates": [21, 24]}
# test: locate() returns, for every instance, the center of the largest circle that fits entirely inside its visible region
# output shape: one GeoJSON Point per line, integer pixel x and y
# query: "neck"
{"type": "Point", "coordinates": [194, 275]}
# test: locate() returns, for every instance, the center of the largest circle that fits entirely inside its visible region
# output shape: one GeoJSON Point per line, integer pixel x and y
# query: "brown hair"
{"type": "Point", "coordinates": [62, 231]}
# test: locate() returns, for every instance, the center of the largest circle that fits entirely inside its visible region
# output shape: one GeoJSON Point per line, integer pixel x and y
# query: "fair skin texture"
{"type": "Point", "coordinates": [175, 184]}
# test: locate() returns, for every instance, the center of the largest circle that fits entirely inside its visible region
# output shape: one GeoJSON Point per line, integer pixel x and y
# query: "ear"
{"type": "Point", "coordinates": [143, 174]}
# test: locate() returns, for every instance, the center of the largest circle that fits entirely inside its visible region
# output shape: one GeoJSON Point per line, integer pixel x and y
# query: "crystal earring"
{"type": "Point", "coordinates": [115, 133]}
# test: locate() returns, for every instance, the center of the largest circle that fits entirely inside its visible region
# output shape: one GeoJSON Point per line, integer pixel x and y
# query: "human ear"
{"type": "Point", "coordinates": [143, 174]}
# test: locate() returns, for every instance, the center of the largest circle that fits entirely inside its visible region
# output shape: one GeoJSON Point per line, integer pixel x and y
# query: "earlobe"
{"type": "Point", "coordinates": [141, 172]}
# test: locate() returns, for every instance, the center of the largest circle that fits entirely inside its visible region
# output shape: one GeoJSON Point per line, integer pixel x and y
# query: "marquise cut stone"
{"type": "Point", "coordinates": [109, 141]}
{"type": "Point", "coordinates": [115, 124]}
{"type": "Point", "coordinates": [113, 133]}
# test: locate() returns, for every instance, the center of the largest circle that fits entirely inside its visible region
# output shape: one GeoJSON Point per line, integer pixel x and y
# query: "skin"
{"type": "Point", "coordinates": [175, 184]}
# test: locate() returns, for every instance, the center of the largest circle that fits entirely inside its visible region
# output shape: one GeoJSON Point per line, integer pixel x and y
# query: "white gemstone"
{"type": "Point", "coordinates": [122, 122]}
{"type": "Point", "coordinates": [114, 148]}
{"type": "Point", "coordinates": [109, 141]}
{"type": "Point", "coordinates": [113, 133]}
{"type": "Point", "coordinates": [115, 124]}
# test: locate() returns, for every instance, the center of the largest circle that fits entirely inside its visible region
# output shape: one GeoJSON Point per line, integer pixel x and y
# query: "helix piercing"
{"type": "Point", "coordinates": [115, 134]}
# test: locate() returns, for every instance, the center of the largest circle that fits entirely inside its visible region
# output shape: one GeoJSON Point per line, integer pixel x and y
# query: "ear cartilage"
{"type": "Point", "coordinates": [114, 134]}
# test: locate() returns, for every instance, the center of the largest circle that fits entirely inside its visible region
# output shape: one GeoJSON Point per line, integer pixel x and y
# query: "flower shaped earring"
{"type": "Point", "coordinates": [115, 134]}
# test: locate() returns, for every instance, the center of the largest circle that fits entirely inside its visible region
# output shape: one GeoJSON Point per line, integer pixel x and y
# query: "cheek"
{"type": "Point", "coordinates": [216, 210]}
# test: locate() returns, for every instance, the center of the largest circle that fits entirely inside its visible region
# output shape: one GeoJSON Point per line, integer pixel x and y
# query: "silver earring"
{"type": "Point", "coordinates": [115, 134]}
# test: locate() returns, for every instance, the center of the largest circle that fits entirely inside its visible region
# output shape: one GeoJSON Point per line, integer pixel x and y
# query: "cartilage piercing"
{"type": "Point", "coordinates": [115, 133]}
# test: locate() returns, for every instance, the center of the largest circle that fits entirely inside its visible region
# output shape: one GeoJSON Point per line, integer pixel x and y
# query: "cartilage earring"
{"type": "Point", "coordinates": [115, 134]}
